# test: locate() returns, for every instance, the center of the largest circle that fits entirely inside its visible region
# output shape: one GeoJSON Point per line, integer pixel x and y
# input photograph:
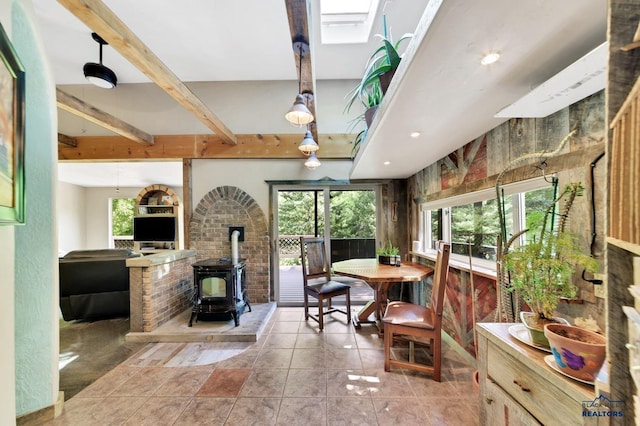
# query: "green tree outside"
{"type": "Point", "coordinates": [122, 212]}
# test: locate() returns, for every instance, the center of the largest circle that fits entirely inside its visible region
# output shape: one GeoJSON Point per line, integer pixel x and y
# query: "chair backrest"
{"type": "Point", "coordinates": [315, 263]}
{"type": "Point", "coordinates": [440, 274]}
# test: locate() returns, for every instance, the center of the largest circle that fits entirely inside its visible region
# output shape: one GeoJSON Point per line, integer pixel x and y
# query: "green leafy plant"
{"type": "Point", "coordinates": [388, 249]}
{"type": "Point", "coordinates": [386, 58]}
{"type": "Point", "coordinates": [541, 270]}
{"type": "Point", "coordinates": [368, 92]}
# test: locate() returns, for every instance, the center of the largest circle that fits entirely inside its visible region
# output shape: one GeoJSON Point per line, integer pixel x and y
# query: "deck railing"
{"type": "Point", "coordinates": [341, 248]}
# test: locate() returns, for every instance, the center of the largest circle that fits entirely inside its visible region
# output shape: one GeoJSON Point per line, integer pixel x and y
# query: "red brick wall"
{"type": "Point", "coordinates": [159, 293]}
{"type": "Point", "coordinates": [220, 209]}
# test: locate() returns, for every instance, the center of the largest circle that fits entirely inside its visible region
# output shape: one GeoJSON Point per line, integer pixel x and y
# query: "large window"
{"type": "Point", "coordinates": [121, 217]}
{"type": "Point", "coordinates": [471, 224]}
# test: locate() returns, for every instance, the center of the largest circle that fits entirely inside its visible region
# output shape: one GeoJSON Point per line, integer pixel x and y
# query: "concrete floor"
{"type": "Point", "coordinates": [90, 349]}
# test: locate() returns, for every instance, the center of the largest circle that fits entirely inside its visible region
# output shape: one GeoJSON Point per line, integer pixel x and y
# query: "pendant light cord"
{"type": "Point", "coordinates": [300, 71]}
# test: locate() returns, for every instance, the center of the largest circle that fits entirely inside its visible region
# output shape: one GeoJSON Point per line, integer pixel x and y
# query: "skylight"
{"type": "Point", "coordinates": [344, 22]}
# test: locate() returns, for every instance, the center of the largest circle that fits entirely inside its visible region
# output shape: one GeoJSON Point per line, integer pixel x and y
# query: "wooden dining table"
{"type": "Point", "coordinates": [380, 277]}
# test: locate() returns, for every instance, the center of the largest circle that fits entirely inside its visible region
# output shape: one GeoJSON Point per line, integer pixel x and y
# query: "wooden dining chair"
{"type": "Point", "coordinates": [316, 274]}
{"type": "Point", "coordinates": [417, 323]}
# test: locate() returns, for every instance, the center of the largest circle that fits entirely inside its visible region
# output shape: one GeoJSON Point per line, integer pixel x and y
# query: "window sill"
{"type": "Point", "coordinates": [457, 264]}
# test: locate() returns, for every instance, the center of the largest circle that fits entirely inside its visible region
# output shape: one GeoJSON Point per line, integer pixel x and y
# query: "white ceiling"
{"type": "Point", "coordinates": [440, 90]}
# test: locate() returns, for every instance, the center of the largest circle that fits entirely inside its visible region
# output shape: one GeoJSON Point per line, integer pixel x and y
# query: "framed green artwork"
{"type": "Point", "coordinates": [12, 116]}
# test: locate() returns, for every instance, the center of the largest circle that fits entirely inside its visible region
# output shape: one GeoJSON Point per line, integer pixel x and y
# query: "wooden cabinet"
{"type": "Point", "coordinates": [156, 206]}
{"type": "Point", "coordinates": [517, 387]}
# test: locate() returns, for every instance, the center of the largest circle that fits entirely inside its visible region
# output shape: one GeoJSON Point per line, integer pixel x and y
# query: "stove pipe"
{"type": "Point", "coordinates": [235, 258]}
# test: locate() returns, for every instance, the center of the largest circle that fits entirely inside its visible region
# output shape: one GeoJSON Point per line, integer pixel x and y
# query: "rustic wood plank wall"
{"type": "Point", "coordinates": [623, 71]}
{"type": "Point", "coordinates": [459, 174]}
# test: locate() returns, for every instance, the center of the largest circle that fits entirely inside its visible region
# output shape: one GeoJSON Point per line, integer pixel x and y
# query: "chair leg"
{"type": "Point", "coordinates": [321, 313]}
{"type": "Point", "coordinates": [388, 340]}
{"type": "Point", "coordinates": [349, 306]}
{"type": "Point", "coordinates": [437, 359]}
{"type": "Point", "coordinates": [306, 306]}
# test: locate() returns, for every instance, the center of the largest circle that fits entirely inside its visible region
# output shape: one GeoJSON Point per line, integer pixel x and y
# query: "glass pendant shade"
{"type": "Point", "coordinates": [312, 162]}
{"type": "Point", "coordinates": [299, 114]}
{"type": "Point", "coordinates": [308, 145]}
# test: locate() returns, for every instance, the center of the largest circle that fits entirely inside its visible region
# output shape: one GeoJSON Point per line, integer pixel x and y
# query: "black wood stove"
{"type": "Point", "coordinates": [220, 290]}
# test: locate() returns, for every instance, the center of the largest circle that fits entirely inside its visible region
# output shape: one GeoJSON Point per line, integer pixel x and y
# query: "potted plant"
{"type": "Point", "coordinates": [377, 75]}
{"type": "Point", "coordinates": [541, 270]}
{"type": "Point", "coordinates": [388, 254]}
{"type": "Point", "coordinates": [370, 99]}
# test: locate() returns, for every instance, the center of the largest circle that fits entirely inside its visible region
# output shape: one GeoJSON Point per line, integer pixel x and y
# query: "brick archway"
{"type": "Point", "coordinates": [227, 206]}
{"type": "Point", "coordinates": [148, 191]}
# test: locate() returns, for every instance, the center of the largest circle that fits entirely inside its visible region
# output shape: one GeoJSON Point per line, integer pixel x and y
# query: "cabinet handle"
{"type": "Point", "coordinates": [489, 401]}
{"type": "Point", "coordinates": [523, 387]}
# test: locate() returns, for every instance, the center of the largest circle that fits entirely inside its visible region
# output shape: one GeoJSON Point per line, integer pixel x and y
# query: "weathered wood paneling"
{"type": "Point", "coordinates": [623, 71]}
{"type": "Point", "coordinates": [480, 167]}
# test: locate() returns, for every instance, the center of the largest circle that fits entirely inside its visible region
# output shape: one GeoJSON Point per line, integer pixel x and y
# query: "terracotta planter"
{"type": "Point", "coordinates": [536, 331]}
{"type": "Point", "coordinates": [578, 352]}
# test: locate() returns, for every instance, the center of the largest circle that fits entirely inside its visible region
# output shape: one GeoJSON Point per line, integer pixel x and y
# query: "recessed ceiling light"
{"type": "Point", "coordinates": [414, 134]}
{"type": "Point", "coordinates": [386, 163]}
{"type": "Point", "coordinates": [490, 58]}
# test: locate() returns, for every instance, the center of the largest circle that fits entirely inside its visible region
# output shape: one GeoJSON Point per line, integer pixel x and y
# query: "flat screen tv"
{"type": "Point", "coordinates": [154, 228]}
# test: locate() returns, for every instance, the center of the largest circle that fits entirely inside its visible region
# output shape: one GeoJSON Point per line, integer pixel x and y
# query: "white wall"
{"type": "Point", "coordinates": [7, 325]}
{"type": "Point", "coordinates": [83, 215]}
{"type": "Point", "coordinates": [71, 218]}
{"type": "Point", "coordinates": [250, 175]}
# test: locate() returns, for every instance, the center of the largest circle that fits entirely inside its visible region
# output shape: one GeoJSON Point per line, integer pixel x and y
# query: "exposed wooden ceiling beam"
{"type": "Point", "coordinates": [299, 14]}
{"type": "Point", "coordinates": [284, 146]}
{"type": "Point", "coordinates": [67, 140]}
{"type": "Point", "coordinates": [97, 16]}
{"type": "Point", "coordinates": [90, 113]}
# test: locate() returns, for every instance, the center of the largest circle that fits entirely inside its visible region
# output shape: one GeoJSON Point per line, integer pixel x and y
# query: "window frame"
{"type": "Point", "coordinates": [516, 190]}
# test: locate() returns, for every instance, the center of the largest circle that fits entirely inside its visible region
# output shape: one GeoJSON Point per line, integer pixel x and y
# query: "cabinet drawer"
{"type": "Point", "coordinates": [546, 402]}
{"type": "Point", "coordinates": [498, 409]}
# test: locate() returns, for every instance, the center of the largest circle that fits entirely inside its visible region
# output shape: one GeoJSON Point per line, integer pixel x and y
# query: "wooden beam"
{"type": "Point", "coordinates": [298, 12]}
{"type": "Point", "coordinates": [97, 16]}
{"type": "Point", "coordinates": [67, 140]}
{"type": "Point", "coordinates": [90, 113]}
{"type": "Point", "coordinates": [96, 148]}
{"type": "Point", "coordinates": [187, 199]}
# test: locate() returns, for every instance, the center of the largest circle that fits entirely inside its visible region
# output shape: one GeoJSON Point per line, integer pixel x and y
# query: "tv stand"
{"type": "Point", "coordinates": [156, 201]}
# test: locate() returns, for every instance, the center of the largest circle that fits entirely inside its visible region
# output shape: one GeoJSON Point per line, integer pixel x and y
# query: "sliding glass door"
{"type": "Point", "coordinates": [345, 216]}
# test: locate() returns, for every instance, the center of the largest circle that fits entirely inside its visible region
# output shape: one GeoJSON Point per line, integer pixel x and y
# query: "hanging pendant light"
{"type": "Point", "coordinates": [308, 145]}
{"type": "Point", "coordinates": [312, 162]}
{"type": "Point", "coordinates": [98, 74]}
{"type": "Point", "coordinates": [299, 114]}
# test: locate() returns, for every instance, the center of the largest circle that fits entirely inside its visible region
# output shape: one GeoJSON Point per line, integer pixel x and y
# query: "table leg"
{"type": "Point", "coordinates": [376, 307]}
{"type": "Point", "coordinates": [364, 313]}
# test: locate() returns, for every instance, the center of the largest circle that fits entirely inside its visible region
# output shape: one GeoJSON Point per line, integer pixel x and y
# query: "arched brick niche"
{"type": "Point", "coordinates": [154, 191]}
{"type": "Point", "coordinates": [220, 209]}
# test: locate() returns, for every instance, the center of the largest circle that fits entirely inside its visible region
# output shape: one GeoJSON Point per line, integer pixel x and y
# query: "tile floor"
{"type": "Point", "coordinates": [292, 375]}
